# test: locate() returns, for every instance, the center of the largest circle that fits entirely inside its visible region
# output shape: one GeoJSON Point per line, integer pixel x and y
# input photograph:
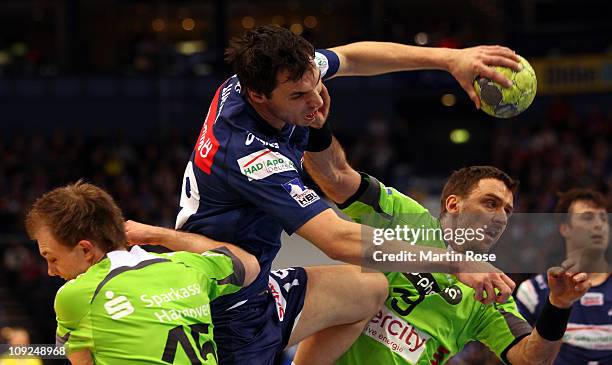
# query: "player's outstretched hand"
{"type": "Point", "coordinates": [489, 284]}
{"type": "Point", "coordinates": [468, 63]}
{"type": "Point", "coordinates": [566, 285]}
{"type": "Point", "coordinates": [323, 111]}
{"type": "Point", "coordinates": [139, 233]}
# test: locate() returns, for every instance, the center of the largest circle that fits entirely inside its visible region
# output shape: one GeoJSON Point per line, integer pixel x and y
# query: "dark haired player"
{"type": "Point", "coordinates": [243, 185]}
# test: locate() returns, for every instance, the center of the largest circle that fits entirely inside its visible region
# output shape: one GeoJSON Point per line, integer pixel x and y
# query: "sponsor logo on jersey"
{"type": "Point", "coordinates": [207, 144]}
{"type": "Point", "coordinates": [251, 137]}
{"type": "Point", "coordinates": [397, 334]}
{"type": "Point", "coordinates": [279, 299]}
{"type": "Point", "coordinates": [452, 295]}
{"type": "Point", "coordinates": [171, 295]}
{"type": "Point", "coordinates": [589, 336]}
{"type": "Point", "coordinates": [321, 62]}
{"type": "Point", "coordinates": [118, 307]}
{"type": "Point", "coordinates": [592, 299]}
{"type": "Point", "coordinates": [302, 194]}
{"type": "Point", "coordinates": [263, 163]}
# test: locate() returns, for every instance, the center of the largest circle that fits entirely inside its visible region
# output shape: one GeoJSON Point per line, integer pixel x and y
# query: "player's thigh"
{"type": "Point", "coordinates": [336, 295]}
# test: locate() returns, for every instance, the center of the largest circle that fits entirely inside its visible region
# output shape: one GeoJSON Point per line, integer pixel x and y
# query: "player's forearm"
{"type": "Point", "coordinates": [354, 244]}
{"type": "Point", "coordinates": [534, 350]}
{"type": "Point", "coordinates": [197, 243]}
{"type": "Point", "coordinates": [180, 241]}
{"type": "Point", "coordinates": [332, 172]}
{"type": "Point", "coordinates": [373, 58]}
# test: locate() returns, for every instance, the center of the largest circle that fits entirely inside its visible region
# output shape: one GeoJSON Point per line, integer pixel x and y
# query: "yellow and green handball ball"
{"type": "Point", "coordinates": [502, 102]}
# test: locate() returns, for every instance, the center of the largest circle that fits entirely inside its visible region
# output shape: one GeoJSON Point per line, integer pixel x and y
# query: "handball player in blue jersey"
{"type": "Point", "coordinates": [243, 185]}
{"type": "Point", "coordinates": [585, 229]}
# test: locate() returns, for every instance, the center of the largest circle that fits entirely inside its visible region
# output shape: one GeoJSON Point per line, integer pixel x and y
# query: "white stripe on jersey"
{"type": "Point", "coordinates": [527, 295]}
{"type": "Point", "coordinates": [131, 258]}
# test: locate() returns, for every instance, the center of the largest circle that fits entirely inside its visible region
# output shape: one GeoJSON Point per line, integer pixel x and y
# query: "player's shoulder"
{"type": "Point", "coordinates": [191, 259]}
{"type": "Point", "coordinates": [228, 100]}
{"type": "Point", "coordinates": [73, 299]}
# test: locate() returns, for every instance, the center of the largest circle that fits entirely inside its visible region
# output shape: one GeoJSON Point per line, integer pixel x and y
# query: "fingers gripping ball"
{"type": "Point", "coordinates": [502, 102]}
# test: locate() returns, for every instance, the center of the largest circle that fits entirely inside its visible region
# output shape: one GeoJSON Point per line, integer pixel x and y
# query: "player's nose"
{"type": "Point", "coordinates": [316, 101]}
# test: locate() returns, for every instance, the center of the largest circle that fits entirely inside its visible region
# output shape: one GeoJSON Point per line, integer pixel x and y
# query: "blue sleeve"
{"type": "Point", "coordinates": [271, 181]}
{"type": "Point", "coordinates": [328, 62]}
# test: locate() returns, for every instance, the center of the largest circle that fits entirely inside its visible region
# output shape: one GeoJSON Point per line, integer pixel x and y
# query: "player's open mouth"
{"type": "Point", "coordinates": [311, 116]}
{"type": "Point", "coordinates": [492, 233]}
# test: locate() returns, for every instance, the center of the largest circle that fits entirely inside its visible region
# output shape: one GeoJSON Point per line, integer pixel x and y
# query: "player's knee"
{"type": "Point", "coordinates": [377, 287]}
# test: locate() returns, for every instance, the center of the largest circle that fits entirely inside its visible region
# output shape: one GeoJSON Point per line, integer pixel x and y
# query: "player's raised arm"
{"type": "Point", "coordinates": [373, 58]}
{"type": "Point", "coordinates": [140, 233]}
{"type": "Point", "coordinates": [544, 342]}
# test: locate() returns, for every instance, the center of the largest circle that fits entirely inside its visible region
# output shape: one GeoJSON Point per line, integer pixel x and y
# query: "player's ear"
{"type": "Point", "coordinates": [256, 96]}
{"type": "Point", "coordinates": [452, 204]}
{"type": "Point", "coordinates": [564, 230]}
{"type": "Point", "coordinates": [88, 249]}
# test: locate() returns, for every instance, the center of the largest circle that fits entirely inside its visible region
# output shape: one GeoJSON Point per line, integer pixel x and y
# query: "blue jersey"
{"type": "Point", "coordinates": [243, 183]}
{"type": "Point", "coordinates": [588, 338]}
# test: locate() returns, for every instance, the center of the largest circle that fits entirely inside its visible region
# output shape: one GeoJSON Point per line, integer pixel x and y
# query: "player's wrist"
{"type": "Point", "coordinates": [446, 58]}
{"type": "Point", "coordinates": [552, 322]}
{"type": "Point", "coordinates": [559, 303]}
{"type": "Point", "coordinates": [319, 139]}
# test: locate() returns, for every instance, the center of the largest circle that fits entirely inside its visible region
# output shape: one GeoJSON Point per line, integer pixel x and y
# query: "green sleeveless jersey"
{"type": "Point", "coordinates": [428, 317]}
{"type": "Point", "coordinates": [135, 307]}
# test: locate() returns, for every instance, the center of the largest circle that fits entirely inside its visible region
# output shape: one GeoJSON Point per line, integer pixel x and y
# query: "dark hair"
{"type": "Point", "coordinates": [259, 54]}
{"type": "Point", "coordinates": [580, 194]}
{"type": "Point", "coordinates": [463, 181]}
{"type": "Point", "coordinates": [77, 212]}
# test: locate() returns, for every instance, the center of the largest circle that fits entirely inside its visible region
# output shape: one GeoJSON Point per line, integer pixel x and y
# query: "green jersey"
{"type": "Point", "coordinates": [135, 307]}
{"type": "Point", "coordinates": [428, 317]}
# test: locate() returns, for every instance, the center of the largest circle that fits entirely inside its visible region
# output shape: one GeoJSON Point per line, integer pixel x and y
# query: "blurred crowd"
{"type": "Point", "coordinates": [567, 148]}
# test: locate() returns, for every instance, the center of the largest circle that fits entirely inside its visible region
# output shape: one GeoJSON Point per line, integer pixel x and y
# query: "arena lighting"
{"type": "Point", "coordinates": [459, 136]}
{"type": "Point", "coordinates": [5, 58]}
{"type": "Point", "coordinates": [448, 100]}
{"type": "Point", "coordinates": [311, 22]}
{"type": "Point", "coordinates": [421, 38]}
{"type": "Point", "coordinates": [19, 49]}
{"type": "Point", "coordinates": [190, 47]}
{"type": "Point", "coordinates": [188, 24]}
{"type": "Point", "coordinates": [296, 28]}
{"type": "Point", "coordinates": [248, 22]}
{"type": "Point", "coordinates": [158, 25]}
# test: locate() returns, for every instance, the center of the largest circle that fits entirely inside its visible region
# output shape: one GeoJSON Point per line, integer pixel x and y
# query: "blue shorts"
{"type": "Point", "coordinates": [257, 331]}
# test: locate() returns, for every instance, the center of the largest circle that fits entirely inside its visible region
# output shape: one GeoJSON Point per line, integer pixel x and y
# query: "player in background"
{"type": "Point", "coordinates": [586, 232]}
{"type": "Point", "coordinates": [430, 317]}
{"type": "Point", "coordinates": [128, 307]}
{"type": "Point", "coordinates": [243, 184]}
{"type": "Point", "coordinates": [17, 336]}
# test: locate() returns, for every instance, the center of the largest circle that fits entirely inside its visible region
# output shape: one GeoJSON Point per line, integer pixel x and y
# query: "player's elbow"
{"type": "Point", "coordinates": [251, 269]}
{"type": "Point", "coordinates": [343, 245]}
